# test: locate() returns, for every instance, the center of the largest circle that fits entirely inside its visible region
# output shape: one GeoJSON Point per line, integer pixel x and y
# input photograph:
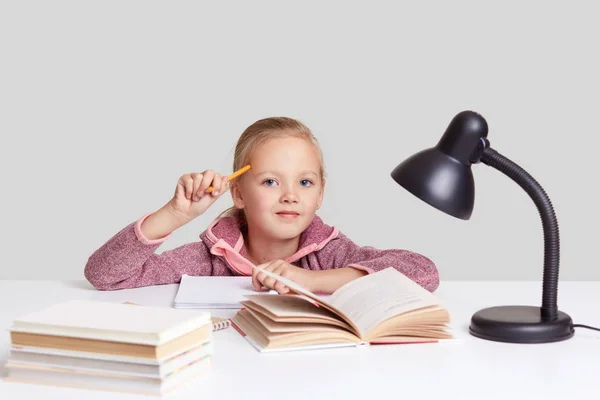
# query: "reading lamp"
{"type": "Point", "coordinates": [442, 177]}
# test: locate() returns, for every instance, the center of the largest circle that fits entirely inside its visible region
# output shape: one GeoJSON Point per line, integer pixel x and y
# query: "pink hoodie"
{"type": "Point", "coordinates": [128, 259]}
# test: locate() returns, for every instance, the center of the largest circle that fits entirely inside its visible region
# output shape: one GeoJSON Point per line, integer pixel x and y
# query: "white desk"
{"type": "Point", "coordinates": [470, 369]}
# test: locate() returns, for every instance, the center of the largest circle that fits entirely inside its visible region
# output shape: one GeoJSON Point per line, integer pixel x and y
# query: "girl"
{"type": "Point", "coordinates": [272, 224]}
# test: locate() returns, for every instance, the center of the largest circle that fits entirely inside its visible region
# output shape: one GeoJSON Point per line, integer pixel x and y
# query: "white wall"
{"type": "Point", "coordinates": [104, 105]}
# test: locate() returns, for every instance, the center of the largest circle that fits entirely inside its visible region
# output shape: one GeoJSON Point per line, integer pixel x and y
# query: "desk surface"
{"type": "Point", "coordinates": [469, 369]}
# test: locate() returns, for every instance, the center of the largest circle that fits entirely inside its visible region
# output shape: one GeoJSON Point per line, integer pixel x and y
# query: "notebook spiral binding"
{"type": "Point", "coordinates": [219, 323]}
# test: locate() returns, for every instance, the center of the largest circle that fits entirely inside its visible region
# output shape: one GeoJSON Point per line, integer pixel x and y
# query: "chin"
{"type": "Point", "coordinates": [283, 230]}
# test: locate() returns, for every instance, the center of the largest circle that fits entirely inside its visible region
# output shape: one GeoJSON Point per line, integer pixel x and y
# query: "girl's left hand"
{"type": "Point", "coordinates": [298, 275]}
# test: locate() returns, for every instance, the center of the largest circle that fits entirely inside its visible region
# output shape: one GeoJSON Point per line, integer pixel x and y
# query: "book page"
{"type": "Point", "coordinates": [288, 306]}
{"type": "Point", "coordinates": [318, 301]}
{"type": "Point", "coordinates": [372, 299]}
{"type": "Point", "coordinates": [292, 308]}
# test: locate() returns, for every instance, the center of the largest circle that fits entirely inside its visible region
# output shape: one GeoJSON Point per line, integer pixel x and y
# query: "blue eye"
{"type": "Point", "coordinates": [306, 182]}
{"type": "Point", "coordinates": [269, 182]}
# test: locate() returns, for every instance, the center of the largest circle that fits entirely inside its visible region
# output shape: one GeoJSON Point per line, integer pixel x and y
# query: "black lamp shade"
{"type": "Point", "coordinates": [438, 180]}
{"type": "Point", "coordinates": [441, 176]}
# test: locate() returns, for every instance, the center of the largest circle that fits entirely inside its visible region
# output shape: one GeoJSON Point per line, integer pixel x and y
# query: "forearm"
{"type": "Point", "coordinates": [343, 252]}
{"type": "Point", "coordinates": [119, 262]}
{"type": "Point", "coordinates": [329, 280]}
{"type": "Point", "coordinates": [161, 223]}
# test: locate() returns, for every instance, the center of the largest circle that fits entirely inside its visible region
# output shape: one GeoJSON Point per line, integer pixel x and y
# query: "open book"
{"type": "Point", "coordinates": [381, 308]}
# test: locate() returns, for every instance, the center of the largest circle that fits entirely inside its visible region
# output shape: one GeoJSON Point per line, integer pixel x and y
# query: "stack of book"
{"type": "Point", "coordinates": [111, 346]}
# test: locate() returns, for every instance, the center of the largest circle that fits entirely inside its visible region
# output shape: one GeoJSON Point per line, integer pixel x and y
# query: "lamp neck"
{"type": "Point", "coordinates": [462, 136]}
{"type": "Point", "coordinates": [549, 223]}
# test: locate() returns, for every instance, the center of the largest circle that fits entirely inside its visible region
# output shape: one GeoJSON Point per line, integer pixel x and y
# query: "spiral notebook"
{"type": "Point", "coordinates": [217, 323]}
{"type": "Point", "coordinates": [214, 292]}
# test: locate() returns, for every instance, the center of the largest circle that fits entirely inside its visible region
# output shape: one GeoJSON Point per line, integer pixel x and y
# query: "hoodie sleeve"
{"type": "Point", "coordinates": [128, 260]}
{"type": "Point", "coordinates": [343, 252]}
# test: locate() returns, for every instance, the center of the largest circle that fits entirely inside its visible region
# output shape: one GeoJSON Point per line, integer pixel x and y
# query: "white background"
{"type": "Point", "coordinates": [104, 105]}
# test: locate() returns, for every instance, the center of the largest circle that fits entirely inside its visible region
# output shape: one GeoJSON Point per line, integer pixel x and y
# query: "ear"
{"type": "Point", "coordinates": [321, 195]}
{"type": "Point", "coordinates": [236, 195]}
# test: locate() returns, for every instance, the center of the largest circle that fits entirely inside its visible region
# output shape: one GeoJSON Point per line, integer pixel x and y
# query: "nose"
{"type": "Point", "coordinates": [289, 196]}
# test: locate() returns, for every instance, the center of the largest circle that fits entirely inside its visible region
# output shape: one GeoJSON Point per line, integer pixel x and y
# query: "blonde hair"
{"type": "Point", "coordinates": [258, 133]}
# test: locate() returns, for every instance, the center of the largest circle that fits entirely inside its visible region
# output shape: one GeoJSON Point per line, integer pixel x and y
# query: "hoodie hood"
{"type": "Point", "coordinates": [224, 238]}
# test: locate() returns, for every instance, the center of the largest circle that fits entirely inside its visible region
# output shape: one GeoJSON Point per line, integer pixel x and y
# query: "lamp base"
{"type": "Point", "coordinates": [520, 324]}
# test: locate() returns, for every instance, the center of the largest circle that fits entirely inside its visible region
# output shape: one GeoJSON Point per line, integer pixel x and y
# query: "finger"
{"type": "Point", "coordinates": [277, 266]}
{"type": "Point", "coordinates": [268, 281]}
{"type": "Point", "coordinates": [281, 288]}
{"type": "Point", "coordinates": [261, 278]}
{"type": "Point", "coordinates": [216, 184]}
{"type": "Point", "coordinates": [188, 183]}
{"type": "Point", "coordinates": [264, 280]}
{"type": "Point", "coordinates": [198, 178]}
{"type": "Point", "coordinates": [280, 270]}
{"type": "Point", "coordinates": [208, 176]}
{"type": "Point", "coordinates": [180, 190]}
{"type": "Point", "coordinates": [255, 282]}
{"type": "Point", "coordinates": [195, 179]}
{"type": "Point", "coordinates": [274, 267]}
{"type": "Point", "coordinates": [225, 184]}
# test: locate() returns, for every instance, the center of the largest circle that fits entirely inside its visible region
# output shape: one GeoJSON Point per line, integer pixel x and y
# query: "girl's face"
{"type": "Point", "coordinates": [282, 191]}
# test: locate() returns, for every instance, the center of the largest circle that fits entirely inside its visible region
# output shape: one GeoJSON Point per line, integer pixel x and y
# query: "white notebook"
{"type": "Point", "coordinates": [112, 321]}
{"type": "Point", "coordinates": [214, 292]}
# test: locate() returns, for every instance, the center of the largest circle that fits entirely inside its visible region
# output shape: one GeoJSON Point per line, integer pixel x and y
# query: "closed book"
{"type": "Point", "coordinates": [113, 328]}
{"type": "Point", "coordinates": [84, 361]}
{"type": "Point", "coordinates": [118, 322]}
{"type": "Point", "coordinates": [109, 381]}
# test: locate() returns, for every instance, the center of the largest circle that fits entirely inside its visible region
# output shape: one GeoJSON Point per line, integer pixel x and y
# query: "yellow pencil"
{"type": "Point", "coordinates": [233, 176]}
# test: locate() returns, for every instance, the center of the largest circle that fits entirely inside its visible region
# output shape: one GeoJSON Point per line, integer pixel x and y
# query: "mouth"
{"type": "Point", "coordinates": [288, 214]}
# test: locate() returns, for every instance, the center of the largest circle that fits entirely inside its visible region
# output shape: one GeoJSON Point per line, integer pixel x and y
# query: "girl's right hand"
{"type": "Point", "coordinates": [191, 198]}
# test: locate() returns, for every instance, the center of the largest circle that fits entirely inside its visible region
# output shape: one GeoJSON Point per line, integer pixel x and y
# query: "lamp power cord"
{"type": "Point", "coordinates": [586, 326]}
